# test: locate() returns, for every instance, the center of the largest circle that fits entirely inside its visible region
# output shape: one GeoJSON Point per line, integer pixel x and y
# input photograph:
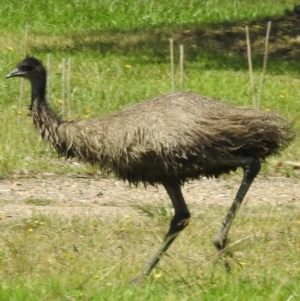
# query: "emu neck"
{"type": "Point", "coordinates": [38, 90]}
{"type": "Point", "coordinates": [44, 119]}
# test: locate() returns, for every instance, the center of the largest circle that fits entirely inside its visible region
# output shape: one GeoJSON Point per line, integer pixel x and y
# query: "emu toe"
{"type": "Point", "coordinates": [139, 279]}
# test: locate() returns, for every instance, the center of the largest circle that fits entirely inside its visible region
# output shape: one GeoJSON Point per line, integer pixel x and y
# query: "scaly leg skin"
{"type": "Point", "coordinates": [251, 169]}
{"type": "Point", "coordinates": [178, 223]}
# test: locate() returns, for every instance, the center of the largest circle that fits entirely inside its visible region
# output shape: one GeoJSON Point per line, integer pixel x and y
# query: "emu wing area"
{"type": "Point", "coordinates": [178, 136]}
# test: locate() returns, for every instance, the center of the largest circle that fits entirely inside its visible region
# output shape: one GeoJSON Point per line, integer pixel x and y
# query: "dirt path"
{"type": "Point", "coordinates": [67, 196]}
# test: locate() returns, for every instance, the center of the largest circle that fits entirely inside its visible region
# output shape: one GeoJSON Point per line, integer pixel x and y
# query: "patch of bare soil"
{"type": "Point", "coordinates": [105, 197]}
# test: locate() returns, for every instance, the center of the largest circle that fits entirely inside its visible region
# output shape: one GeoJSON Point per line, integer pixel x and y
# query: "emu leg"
{"type": "Point", "coordinates": [251, 168]}
{"type": "Point", "coordinates": [178, 223]}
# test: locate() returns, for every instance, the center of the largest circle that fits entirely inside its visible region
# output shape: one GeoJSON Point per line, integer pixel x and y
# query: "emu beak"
{"type": "Point", "coordinates": [14, 73]}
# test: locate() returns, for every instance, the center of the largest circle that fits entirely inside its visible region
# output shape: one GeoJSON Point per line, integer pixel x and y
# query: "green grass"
{"type": "Point", "coordinates": [48, 17]}
{"type": "Point", "coordinates": [53, 258]}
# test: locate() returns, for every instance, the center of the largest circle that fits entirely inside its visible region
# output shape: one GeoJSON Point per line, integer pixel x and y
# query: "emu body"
{"type": "Point", "coordinates": [167, 140]}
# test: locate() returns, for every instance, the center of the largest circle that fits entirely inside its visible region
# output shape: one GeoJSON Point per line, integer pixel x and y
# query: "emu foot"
{"type": "Point", "coordinates": [226, 265]}
{"type": "Point", "coordinates": [220, 242]}
{"type": "Point", "coordinates": [139, 279]}
{"type": "Point", "coordinates": [225, 257]}
{"type": "Point", "coordinates": [229, 261]}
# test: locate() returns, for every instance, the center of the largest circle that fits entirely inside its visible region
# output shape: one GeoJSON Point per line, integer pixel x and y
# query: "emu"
{"type": "Point", "coordinates": [167, 140]}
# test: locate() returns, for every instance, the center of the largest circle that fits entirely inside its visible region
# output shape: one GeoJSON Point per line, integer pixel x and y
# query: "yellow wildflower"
{"type": "Point", "coordinates": [157, 275]}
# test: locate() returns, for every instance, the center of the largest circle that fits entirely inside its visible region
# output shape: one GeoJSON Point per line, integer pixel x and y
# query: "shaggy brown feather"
{"type": "Point", "coordinates": [178, 136]}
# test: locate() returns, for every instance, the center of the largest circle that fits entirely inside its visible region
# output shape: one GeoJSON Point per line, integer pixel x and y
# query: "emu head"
{"type": "Point", "coordinates": [30, 68]}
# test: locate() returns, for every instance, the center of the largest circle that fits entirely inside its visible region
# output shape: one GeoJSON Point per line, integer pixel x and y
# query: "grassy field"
{"type": "Point", "coordinates": [120, 56]}
{"type": "Point", "coordinates": [50, 258]}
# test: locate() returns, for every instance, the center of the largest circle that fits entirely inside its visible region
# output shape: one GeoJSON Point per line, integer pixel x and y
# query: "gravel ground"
{"type": "Point", "coordinates": [106, 197]}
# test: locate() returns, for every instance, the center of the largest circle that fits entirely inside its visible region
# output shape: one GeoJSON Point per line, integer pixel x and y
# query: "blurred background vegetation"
{"type": "Point", "coordinates": [120, 55]}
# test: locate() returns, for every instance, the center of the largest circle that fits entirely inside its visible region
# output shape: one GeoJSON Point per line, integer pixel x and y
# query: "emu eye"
{"type": "Point", "coordinates": [26, 68]}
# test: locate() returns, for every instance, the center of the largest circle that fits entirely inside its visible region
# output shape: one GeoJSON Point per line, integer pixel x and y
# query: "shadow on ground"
{"type": "Point", "coordinates": [218, 46]}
